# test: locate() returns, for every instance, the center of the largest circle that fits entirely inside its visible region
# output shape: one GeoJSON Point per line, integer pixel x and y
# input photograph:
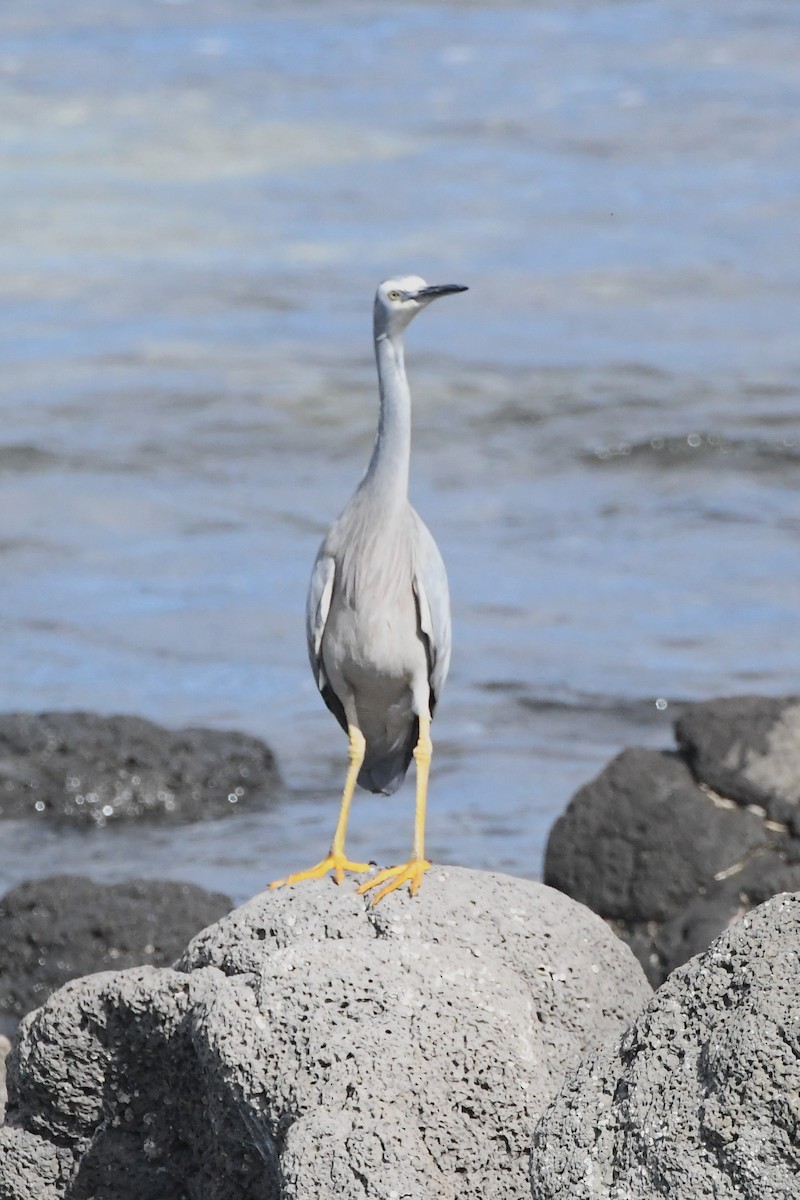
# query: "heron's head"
{"type": "Point", "coordinates": [397, 301]}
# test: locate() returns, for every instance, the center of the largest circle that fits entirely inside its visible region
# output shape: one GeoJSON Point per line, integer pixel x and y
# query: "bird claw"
{"type": "Point", "coordinates": [410, 873]}
{"type": "Point", "coordinates": [335, 863]}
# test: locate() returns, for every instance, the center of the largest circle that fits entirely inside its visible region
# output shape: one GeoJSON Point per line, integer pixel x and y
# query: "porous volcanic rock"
{"type": "Point", "coordinates": [700, 1096]}
{"type": "Point", "coordinates": [89, 769]}
{"type": "Point", "coordinates": [63, 926]}
{"type": "Point", "coordinates": [657, 849]}
{"type": "Point", "coordinates": [5, 1046]}
{"type": "Point", "coordinates": [310, 1044]}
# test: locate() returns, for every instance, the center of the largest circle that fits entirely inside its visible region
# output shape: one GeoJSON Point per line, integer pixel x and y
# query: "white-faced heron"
{"type": "Point", "coordinates": [378, 610]}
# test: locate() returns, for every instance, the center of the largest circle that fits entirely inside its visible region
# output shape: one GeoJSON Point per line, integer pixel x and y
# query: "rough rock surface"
{"type": "Point", "coordinates": [5, 1046]}
{"type": "Point", "coordinates": [310, 1045]}
{"type": "Point", "coordinates": [58, 928]}
{"type": "Point", "coordinates": [747, 748]}
{"type": "Point", "coordinates": [89, 769]}
{"type": "Point", "coordinates": [700, 1096]}
{"type": "Point", "coordinates": [654, 847]}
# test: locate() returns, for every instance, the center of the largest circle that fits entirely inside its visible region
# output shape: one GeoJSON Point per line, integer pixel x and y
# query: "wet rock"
{"type": "Point", "coordinates": [747, 748]}
{"type": "Point", "coordinates": [699, 1096]}
{"type": "Point", "coordinates": [89, 769]}
{"type": "Point", "coordinates": [58, 928]}
{"type": "Point", "coordinates": [311, 1045]}
{"type": "Point", "coordinates": [655, 848]}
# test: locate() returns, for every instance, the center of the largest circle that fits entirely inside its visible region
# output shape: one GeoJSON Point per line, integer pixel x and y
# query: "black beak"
{"type": "Point", "coordinates": [439, 289]}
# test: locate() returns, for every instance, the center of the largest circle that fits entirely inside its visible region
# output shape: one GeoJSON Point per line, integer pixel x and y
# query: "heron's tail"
{"type": "Point", "coordinates": [385, 766]}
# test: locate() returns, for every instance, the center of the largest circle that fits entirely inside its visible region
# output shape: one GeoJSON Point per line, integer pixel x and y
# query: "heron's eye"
{"type": "Point", "coordinates": [394, 295]}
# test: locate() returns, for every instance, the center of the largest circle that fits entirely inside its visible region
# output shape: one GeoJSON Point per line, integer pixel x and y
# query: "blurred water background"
{"type": "Point", "coordinates": [197, 200]}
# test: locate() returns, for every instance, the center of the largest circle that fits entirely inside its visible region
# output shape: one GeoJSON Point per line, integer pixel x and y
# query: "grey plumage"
{"type": "Point", "coordinates": [376, 577]}
{"type": "Point", "coordinates": [378, 608]}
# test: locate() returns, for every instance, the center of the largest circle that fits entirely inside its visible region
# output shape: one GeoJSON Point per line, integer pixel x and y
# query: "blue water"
{"type": "Point", "coordinates": [197, 202]}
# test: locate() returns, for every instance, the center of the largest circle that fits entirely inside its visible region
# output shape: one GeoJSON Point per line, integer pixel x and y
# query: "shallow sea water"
{"type": "Point", "coordinates": [198, 199]}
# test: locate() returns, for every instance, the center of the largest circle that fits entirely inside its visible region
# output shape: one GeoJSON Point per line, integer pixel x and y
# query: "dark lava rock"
{"type": "Point", "coordinates": [89, 769]}
{"type": "Point", "coordinates": [58, 928]}
{"type": "Point", "coordinates": [688, 931]}
{"type": "Point", "coordinates": [641, 839]}
{"type": "Point", "coordinates": [699, 1096]}
{"type": "Point", "coordinates": [748, 749]}
{"type": "Point", "coordinates": [659, 846]}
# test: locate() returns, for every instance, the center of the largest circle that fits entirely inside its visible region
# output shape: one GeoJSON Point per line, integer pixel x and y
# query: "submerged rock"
{"type": "Point", "coordinates": [63, 926]}
{"type": "Point", "coordinates": [311, 1045]}
{"type": "Point", "coordinates": [699, 1096]}
{"type": "Point", "coordinates": [671, 847]}
{"type": "Point", "coordinates": [89, 769]}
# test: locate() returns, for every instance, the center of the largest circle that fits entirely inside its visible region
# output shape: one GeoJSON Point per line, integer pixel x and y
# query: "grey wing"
{"type": "Point", "coordinates": [433, 607]}
{"type": "Point", "coordinates": [318, 606]}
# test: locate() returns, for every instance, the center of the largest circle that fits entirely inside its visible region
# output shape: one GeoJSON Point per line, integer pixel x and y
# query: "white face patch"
{"type": "Point", "coordinates": [400, 291]}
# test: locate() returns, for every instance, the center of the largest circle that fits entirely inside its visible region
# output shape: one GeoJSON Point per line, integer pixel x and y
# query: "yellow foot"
{"type": "Point", "coordinates": [334, 862]}
{"type": "Point", "coordinates": [411, 874]}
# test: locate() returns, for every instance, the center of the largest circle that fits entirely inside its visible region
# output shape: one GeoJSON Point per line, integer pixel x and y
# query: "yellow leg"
{"type": "Point", "coordinates": [336, 860]}
{"type": "Point", "coordinates": [412, 872]}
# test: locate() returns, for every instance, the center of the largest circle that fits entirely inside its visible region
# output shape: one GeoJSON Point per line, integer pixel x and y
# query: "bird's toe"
{"type": "Point", "coordinates": [337, 864]}
{"type": "Point", "coordinates": [394, 878]}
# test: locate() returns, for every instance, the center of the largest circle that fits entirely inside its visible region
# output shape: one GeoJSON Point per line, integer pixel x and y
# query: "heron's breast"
{"type": "Point", "coordinates": [375, 638]}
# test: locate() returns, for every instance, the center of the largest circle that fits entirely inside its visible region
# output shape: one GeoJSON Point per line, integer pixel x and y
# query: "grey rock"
{"type": "Point", "coordinates": [5, 1046]}
{"type": "Point", "coordinates": [111, 1068]}
{"type": "Point", "coordinates": [700, 1096]}
{"type": "Point", "coordinates": [31, 1168]}
{"type": "Point", "coordinates": [748, 749]}
{"type": "Point", "coordinates": [63, 926]}
{"type": "Point", "coordinates": [86, 769]}
{"type": "Point", "coordinates": [311, 1045]}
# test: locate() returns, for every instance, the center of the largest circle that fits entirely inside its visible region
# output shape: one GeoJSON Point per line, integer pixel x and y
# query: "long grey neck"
{"type": "Point", "coordinates": [387, 473]}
